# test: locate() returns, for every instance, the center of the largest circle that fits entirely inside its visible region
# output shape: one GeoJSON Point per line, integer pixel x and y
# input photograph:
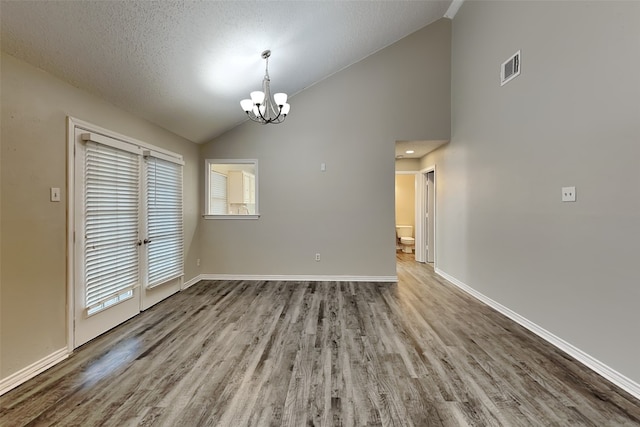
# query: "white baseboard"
{"type": "Point", "coordinates": [191, 282]}
{"type": "Point", "coordinates": [14, 380]}
{"type": "Point", "coordinates": [299, 278]}
{"type": "Point", "coordinates": [594, 364]}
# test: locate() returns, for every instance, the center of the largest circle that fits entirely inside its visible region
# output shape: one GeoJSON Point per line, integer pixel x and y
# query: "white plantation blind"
{"type": "Point", "coordinates": [218, 196]}
{"type": "Point", "coordinates": [111, 203]}
{"type": "Point", "coordinates": [165, 234]}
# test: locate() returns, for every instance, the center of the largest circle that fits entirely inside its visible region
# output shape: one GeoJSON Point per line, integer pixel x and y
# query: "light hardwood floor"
{"type": "Point", "coordinates": [239, 353]}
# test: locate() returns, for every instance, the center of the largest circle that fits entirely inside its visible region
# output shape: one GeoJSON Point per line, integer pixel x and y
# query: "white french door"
{"type": "Point", "coordinates": [128, 232]}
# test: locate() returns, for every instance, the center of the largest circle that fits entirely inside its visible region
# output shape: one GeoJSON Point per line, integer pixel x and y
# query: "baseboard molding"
{"type": "Point", "coordinates": [592, 363]}
{"type": "Point", "coordinates": [299, 278]}
{"type": "Point", "coordinates": [14, 380]}
{"type": "Point", "coordinates": [191, 282]}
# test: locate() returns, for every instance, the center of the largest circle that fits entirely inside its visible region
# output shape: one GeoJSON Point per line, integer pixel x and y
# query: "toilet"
{"type": "Point", "coordinates": [405, 233]}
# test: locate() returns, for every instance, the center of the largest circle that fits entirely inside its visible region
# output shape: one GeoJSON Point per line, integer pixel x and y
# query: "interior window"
{"type": "Point", "coordinates": [231, 188]}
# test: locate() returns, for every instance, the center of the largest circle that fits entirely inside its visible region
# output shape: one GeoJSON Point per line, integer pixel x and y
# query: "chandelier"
{"type": "Point", "coordinates": [261, 108]}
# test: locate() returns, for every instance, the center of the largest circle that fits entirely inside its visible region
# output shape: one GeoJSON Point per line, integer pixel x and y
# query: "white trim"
{"type": "Point", "coordinates": [432, 225]}
{"type": "Point", "coordinates": [594, 364]}
{"type": "Point", "coordinates": [90, 127]}
{"type": "Point", "coordinates": [207, 183]}
{"type": "Point", "coordinates": [71, 146]}
{"type": "Point", "coordinates": [162, 156]}
{"type": "Point", "coordinates": [113, 143]}
{"type": "Point", "coordinates": [191, 282]}
{"type": "Point", "coordinates": [298, 278]}
{"type": "Point", "coordinates": [421, 211]}
{"type": "Point", "coordinates": [25, 374]}
{"type": "Point", "coordinates": [418, 217]}
{"type": "Point", "coordinates": [257, 216]}
{"type": "Point", "coordinates": [453, 9]}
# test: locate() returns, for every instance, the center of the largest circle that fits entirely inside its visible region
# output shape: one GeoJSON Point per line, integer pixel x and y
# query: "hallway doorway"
{"type": "Point", "coordinates": [426, 215]}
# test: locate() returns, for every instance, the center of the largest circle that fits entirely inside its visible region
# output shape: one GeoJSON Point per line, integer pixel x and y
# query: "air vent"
{"type": "Point", "coordinates": [510, 69]}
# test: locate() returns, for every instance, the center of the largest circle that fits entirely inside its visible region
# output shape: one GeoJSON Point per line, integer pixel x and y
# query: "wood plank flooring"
{"type": "Point", "coordinates": [239, 353]}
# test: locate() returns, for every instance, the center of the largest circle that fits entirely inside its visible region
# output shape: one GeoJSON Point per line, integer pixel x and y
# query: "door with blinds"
{"type": "Point", "coordinates": [128, 231]}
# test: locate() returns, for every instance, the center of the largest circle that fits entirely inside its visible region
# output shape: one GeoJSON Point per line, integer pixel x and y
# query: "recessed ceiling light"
{"type": "Point", "coordinates": [409, 151]}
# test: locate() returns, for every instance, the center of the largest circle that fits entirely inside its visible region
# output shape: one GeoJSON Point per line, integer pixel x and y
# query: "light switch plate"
{"type": "Point", "coordinates": [55, 194]}
{"type": "Point", "coordinates": [568, 194]}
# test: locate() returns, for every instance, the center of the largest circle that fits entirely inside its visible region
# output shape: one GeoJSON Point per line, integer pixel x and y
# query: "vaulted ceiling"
{"type": "Point", "coordinates": [185, 65]}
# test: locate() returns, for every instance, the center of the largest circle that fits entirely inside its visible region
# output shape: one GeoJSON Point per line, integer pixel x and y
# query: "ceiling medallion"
{"type": "Point", "coordinates": [261, 108]}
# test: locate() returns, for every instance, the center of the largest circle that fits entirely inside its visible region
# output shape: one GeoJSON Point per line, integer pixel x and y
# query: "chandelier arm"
{"type": "Point", "coordinates": [259, 118]}
{"type": "Point", "coordinates": [255, 118]}
{"type": "Point", "coordinates": [273, 109]}
{"type": "Point", "coordinates": [265, 110]}
{"type": "Point", "coordinates": [279, 114]}
{"type": "Point", "coordinates": [282, 118]}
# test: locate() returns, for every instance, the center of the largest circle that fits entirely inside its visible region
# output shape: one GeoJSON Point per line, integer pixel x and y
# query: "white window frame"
{"type": "Point", "coordinates": [207, 205]}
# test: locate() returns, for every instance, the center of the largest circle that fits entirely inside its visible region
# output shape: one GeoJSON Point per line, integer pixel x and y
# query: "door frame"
{"type": "Point", "coordinates": [72, 124]}
{"type": "Point", "coordinates": [425, 228]}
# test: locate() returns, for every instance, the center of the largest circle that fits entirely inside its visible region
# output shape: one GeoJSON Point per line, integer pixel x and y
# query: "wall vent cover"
{"type": "Point", "coordinates": [510, 69]}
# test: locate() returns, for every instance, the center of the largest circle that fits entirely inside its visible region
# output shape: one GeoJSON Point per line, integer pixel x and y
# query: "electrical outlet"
{"type": "Point", "coordinates": [317, 257]}
{"type": "Point", "coordinates": [198, 262]}
{"type": "Point", "coordinates": [568, 194]}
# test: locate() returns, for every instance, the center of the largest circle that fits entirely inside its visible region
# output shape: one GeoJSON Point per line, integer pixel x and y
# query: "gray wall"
{"type": "Point", "coordinates": [571, 118]}
{"type": "Point", "coordinates": [349, 121]}
{"type": "Point", "coordinates": [33, 286]}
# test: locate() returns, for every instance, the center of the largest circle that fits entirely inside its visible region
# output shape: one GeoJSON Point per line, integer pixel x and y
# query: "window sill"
{"type": "Point", "coordinates": [256, 216]}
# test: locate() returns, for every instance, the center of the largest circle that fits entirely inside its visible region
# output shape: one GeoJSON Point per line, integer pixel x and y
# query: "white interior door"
{"type": "Point", "coordinates": [430, 216]}
{"type": "Point", "coordinates": [426, 219]}
{"type": "Point", "coordinates": [425, 215]}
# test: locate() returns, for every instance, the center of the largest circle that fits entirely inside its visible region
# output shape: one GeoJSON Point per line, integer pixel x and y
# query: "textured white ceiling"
{"type": "Point", "coordinates": [185, 65]}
